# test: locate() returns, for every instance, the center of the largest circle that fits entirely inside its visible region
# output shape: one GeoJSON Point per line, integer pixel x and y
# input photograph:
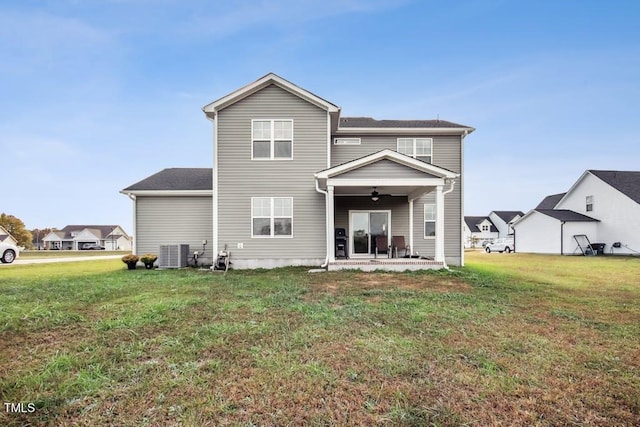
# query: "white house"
{"type": "Point", "coordinates": [504, 220]}
{"type": "Point", "coordinates": [478, 230]}
{"type": "Point", "coordinates": [602, 205]}
{"type": "Point", "coordinates": [72, 237]}
{"type": "Point", "coordinates": [6, 237]}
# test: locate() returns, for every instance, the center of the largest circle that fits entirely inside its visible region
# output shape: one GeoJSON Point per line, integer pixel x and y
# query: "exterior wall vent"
{"type": "Point", "coordinates": [173, 256]}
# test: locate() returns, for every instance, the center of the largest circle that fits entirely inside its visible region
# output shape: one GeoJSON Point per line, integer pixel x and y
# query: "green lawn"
{"type": "Point", "coordinates": [67, 254]}
{"type": "Point", "coordinates": [510, 339]}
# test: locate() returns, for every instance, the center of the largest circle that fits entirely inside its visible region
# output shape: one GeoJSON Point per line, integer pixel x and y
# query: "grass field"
{"type": "Point", "coordinates": [509, 340]}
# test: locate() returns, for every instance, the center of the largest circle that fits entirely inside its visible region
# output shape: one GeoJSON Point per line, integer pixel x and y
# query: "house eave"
{"type": "Point", "coordinates": [402, 131]}
{"type": "Point", "coordinates": [168, 193]}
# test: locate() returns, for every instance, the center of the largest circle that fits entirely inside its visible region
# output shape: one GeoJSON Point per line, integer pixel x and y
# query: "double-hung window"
{"type": "Point", "coordinates": [272, 139]}
{"type": "Point", "coordinates": [429, 220]}
{"type": "Point", "coordinates": [271, 216]}
{"type": "Point", "coordinates": [418, 148]}
{"type": "Point", "coordinates": [589, 204]}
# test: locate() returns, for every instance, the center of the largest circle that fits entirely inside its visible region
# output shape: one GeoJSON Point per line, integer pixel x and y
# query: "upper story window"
{"type": "Point", "coordinates": [589, 203]}
{"type": "Point", "coordinates": [485, 227]}
{"type": "Point", "coordinates": [418, 148]}
{"type": "Point", "coordinates": [272, 139]}
{"type": "Point", "coordinates": [346, 141]}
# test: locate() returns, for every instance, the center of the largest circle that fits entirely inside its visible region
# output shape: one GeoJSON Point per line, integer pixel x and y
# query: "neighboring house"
{"type": "Point", "coordinates": [603, 205]}
{"type": "Point", "coordinates": [72, 237]}
{"type": "Point", "coordinates": [6, 237]}
{"type": "Point", "coordinates": [289, 170]}
{"type": "Point", "coordinates": [504, 220]}
{"type": "Point", "coordinates": [478, 230]}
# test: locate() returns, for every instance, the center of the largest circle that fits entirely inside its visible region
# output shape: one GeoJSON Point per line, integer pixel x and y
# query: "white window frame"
{"type": "Point", "coordinates": [484, 227]}
{"type": "Point", "coordinates": [346, 141]}
{"type": "Point", "coordinates": [434, 220]}
{"type": "Point", "coordinates": [414, 145]}
{"type": "Point", "coordinates": [272, 140]}
{"type": "Point", "coordinates": [272, 218]}
{"type": "Point", "coordinates": [588, 204]}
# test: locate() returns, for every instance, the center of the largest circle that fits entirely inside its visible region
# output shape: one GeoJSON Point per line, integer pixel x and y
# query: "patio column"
{"type": "Point", "coordinates": [331, 223]}
{"type": "Point", "coordinates": [439, 255]}
{"type": "Point", "coordinates": [411, 226]}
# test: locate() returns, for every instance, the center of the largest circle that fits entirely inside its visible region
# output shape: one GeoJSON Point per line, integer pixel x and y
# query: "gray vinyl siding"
{"type": "Point", "coordinates": [240, 178]}
{"type": "Point", "coordinates": [384, 169]}
{"type": "Point", "coordinates": [446, 154]}
{"type": "Point", "coordinates": [170, 220]}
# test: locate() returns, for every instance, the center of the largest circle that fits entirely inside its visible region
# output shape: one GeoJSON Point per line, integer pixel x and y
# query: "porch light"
{"type": "Point", "coordinates": [374, 195]}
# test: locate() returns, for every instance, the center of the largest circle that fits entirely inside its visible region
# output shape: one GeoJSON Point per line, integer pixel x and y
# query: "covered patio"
{"type": "Point", "coordinates": [375, 196]}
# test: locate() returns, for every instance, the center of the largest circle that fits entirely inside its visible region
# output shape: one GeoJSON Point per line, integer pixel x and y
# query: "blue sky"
{"type": "Point", "coordinates": [96, 95]}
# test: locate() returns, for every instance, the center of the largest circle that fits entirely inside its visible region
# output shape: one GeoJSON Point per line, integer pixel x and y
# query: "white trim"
{"type": "Point", "coordinates": [370, 182]}
{"type": "Point", "coordinates": [403, 131]}
{"type": "Point", "coordinates": [415, 141]}
{"type": "Point", "coordinates": [388, 155]}
{"type": "Point", "coordinates": [328, 140]}
{"type": "Point", "coordinates": [272, 140]}
{"type": "Point", "coordinates": [346, 141]}
{"type": "Point", "coordinates": [175, 193]}
{"type": "Point", "coordinates": [331, 220]}
{"type": "Point", "coordinates": [272, 217]}
{"type": "Point", "coordinates": [214, 184]}
{"type": "Point", "coordinates": [462, 198]}
{"type": "Point", "coordinates": [212, 108]}
{"type": "Point", "coordinates": [369, 211]}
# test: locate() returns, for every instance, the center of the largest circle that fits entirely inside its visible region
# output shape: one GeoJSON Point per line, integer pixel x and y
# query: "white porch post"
{"type": "Point", "coordinates": [331, 223]}
{"type": "Point", "coordinates": [439, 224]}
{"type": "Point", "coordinates": [411, 226]}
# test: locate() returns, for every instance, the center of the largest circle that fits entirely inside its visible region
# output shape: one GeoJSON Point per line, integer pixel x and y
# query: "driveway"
{"type": "Point", "coordinates": [62, 259]}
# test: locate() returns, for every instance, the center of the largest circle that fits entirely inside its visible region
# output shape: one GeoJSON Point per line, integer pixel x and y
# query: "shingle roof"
{"type": "Point", "coordinates": [566, 215]}
{"type": "Point", "coordinates": [369, 122]}
{"type": "Point", "coordinates": [176, 179]}
{"type": "Point", "coordinates": [627, 182]}
{"type": "Point", "coordinates": [473, 222]}
{"type": "Point", "coordinates": [550, 202]}
{"type": "Point", "coordinates": [507, 216]}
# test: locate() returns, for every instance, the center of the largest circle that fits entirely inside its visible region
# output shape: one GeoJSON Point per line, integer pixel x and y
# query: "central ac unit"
{"type": "Point", "coordinates": [173, 256]}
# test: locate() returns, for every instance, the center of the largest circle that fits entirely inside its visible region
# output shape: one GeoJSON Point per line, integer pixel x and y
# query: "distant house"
{"type": "Point", "coordinates": [72, 237]}
{"type": "Point", "coordinates": [478, 230]}
{"type": "Point", "coordinates": [602, 205]}
{"type": "Point", "coordinates": [6, 237]}
{"type": "Point", "coordinates": [504, 220]}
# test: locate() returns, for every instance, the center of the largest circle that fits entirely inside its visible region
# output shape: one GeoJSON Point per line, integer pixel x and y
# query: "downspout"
{"type": "Point", "coordinates": [326, 216]}
{"type": "Point", "coordinates": [562, 237]}
{"type": "Point", "coordinates": [135, 214]}
{"type": "Point", "coordinates": [444, 193]}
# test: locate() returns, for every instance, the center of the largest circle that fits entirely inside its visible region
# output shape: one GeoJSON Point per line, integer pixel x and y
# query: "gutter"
{"type": "Point", "coordinates": [326, 216]}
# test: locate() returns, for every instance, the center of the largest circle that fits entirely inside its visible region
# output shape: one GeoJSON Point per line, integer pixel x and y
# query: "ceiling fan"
{"type": "Point", "coordinates": [375, 196]}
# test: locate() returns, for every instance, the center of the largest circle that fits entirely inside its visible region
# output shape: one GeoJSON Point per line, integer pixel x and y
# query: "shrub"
{"type": "Point", "coordinates": [130, 259]}
{"type": "Point", "coordinates": [148, 258]}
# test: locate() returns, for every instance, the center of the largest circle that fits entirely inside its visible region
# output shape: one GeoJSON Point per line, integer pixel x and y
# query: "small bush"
{"type": "Point", "coordinates": [130, 259]}
{"type": "Point", "coordinates": [148, 258]}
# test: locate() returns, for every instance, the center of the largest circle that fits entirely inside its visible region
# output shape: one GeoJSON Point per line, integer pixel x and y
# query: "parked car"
{"type": "Point", "coordinates": [92, 246]}
{"type": "Point", "coordinates": [500, 245]}
{"type": "Point", "coordinates": [8, 253]}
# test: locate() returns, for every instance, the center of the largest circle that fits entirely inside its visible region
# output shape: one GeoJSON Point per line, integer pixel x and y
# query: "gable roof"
{"type": "Point", "coordinates": [212, 108]}
{"type": "Point", "coordinates": [566, 215]}
{"type": "Point", "coordinates": [626, 182]}
{"type": "Point", "coordinates": [473, 223]}
{"type": "Point", "coordinates": [507, 216]}
{"type": "Point", "coordinates": [175, 179]}
{"type": "Point", "coordinates": [551, 201]}
{"type": "Point", "coordinates": [387, 154]}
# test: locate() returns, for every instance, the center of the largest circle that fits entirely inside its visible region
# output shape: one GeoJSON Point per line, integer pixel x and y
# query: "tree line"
{"type": "Point", "coordinates": [17, 229]}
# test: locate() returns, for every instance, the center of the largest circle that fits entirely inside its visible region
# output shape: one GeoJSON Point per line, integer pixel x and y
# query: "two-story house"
{"type": "Point", "coordinates": [290, 174]}
{"type": "Point", "coordinates": [478, 230]}
{"type": "Point", "coordinates": [602, 205]}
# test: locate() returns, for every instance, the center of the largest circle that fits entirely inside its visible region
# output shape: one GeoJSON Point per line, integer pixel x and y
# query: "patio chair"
{"type": "Point", "coordinates": [398, 244]}
{"type": "Point", "coordinates": [382, 246]}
